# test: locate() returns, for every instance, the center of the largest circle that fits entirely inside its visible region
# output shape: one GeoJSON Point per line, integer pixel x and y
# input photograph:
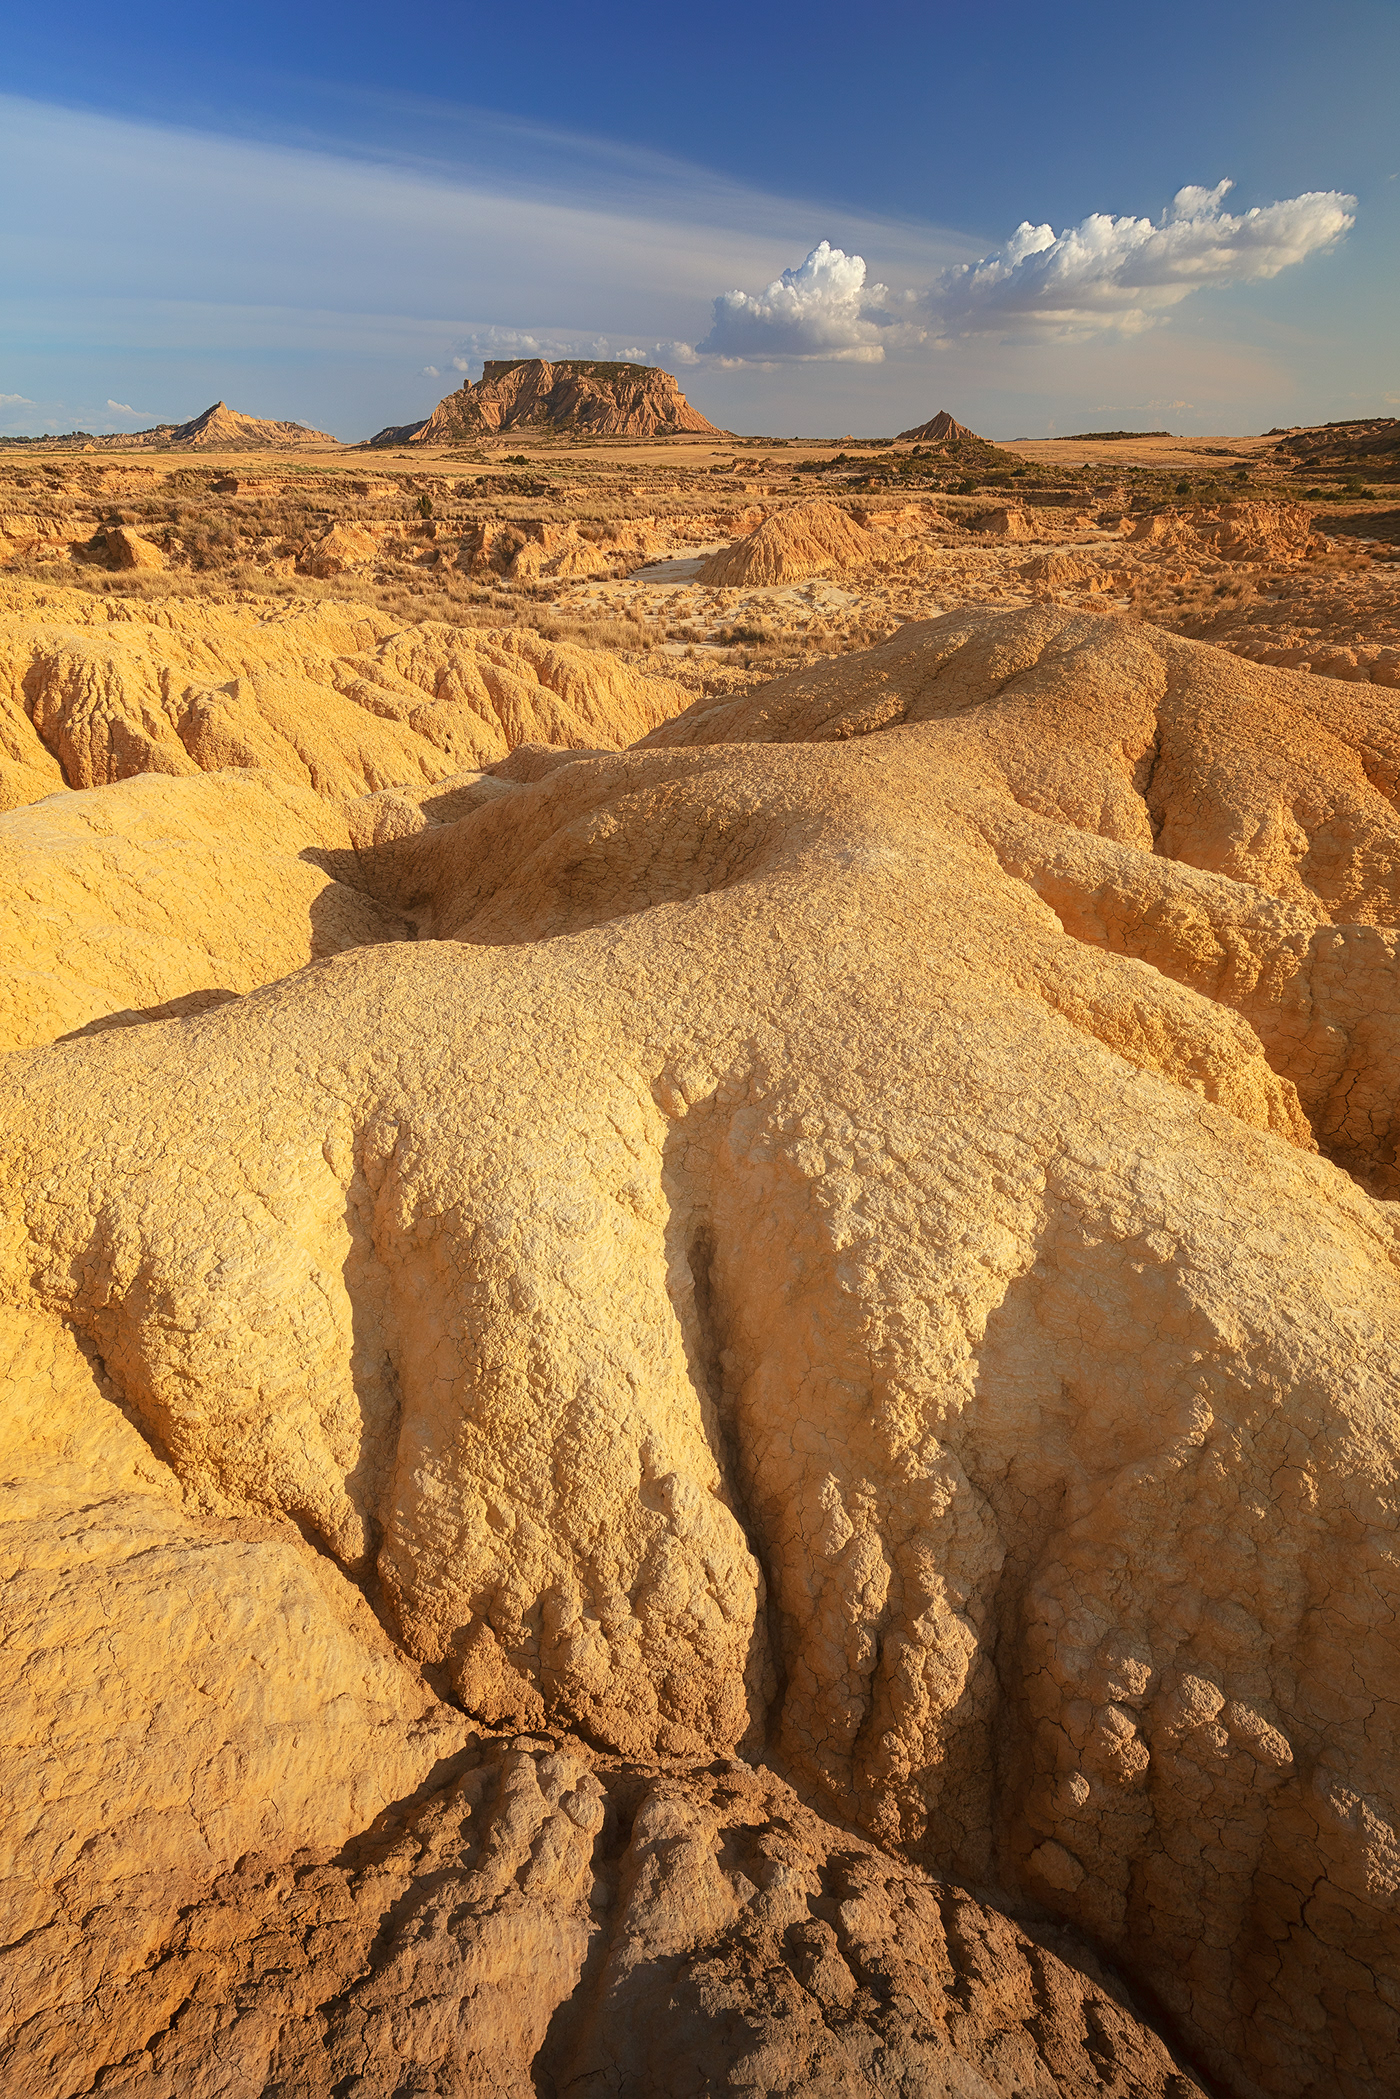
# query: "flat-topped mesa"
{"type": "Point", "coordinates": [583, 394]}
{"type": "Point", "coordinates": [943, 433]}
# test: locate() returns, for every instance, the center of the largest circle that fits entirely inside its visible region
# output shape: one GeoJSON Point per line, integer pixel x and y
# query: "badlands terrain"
{"type": "Point", "coordinates": [699, 1233]}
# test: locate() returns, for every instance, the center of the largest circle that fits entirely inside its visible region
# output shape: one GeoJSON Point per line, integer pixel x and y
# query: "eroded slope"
{"type": "Point", "coordinates": [823, 1252]}
{"type": "Point", "coordinates": [335, 697]}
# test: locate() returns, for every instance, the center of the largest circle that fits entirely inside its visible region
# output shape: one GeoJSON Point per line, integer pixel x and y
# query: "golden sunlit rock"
{"type": "Point", "coordinates": [698, 1376]}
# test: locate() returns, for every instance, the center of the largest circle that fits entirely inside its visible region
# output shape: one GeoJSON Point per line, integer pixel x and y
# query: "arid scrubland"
{"type": "Point", "coordinates": [608, 542]}
{"type": "Point", "coordinates": [699, 1228]}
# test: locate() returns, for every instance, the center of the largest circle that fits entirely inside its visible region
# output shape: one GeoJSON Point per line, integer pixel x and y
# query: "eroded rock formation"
{"type": "Point", "coordinates": [859, 1238]}
{"type": "Point", "coordinates": [549, 1921]}
{"type": "Point", "coordinates": [811, 539]}
{"type": "Point", "coordinates": [337, 698]}
{"type": "Point", "coordinates": [222, 428]}
{"type": "Point", "coordinates": [578, 393]}
{"type": "Point", "coordinates": [944, 434]}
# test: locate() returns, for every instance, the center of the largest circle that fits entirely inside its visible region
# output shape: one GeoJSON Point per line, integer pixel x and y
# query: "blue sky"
{"type": "Point", "coordinates": [333, 213]}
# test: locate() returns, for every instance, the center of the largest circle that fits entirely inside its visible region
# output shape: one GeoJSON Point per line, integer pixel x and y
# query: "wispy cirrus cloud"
{"type": "Point", "coordinates": [320, 284]}
{"type": "Point", "coordinates": [348, 290]}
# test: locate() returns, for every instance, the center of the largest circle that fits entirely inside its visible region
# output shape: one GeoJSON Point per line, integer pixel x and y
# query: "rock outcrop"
{"type": "Point", "coordinates": [128, 549]}
{"type": "Point", "coordinates": [160, 896]}
{"type": "Point", "coordinates": [175, 1687]}
{"type": "Point", "coordinates": [859, 1242]}
{"type": "Point", "coordinates": [551, 1921]}
{"type": "Point", "coordinates": [1243, 531]}
{"type": "Point", "coordinates": [1371, 443]}
{"type": "Point", "coordinates": [811, 539]}
{"type": "Point", "coordinates": [335, 697]}
{"type": "Point", "coordinates": [579, 394]}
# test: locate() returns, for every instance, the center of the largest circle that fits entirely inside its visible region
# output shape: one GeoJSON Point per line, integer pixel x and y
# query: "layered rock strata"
{"type": "Point", "coordinates": [576, 394]}
{"type": "Point", "coordinates": [336, 698]}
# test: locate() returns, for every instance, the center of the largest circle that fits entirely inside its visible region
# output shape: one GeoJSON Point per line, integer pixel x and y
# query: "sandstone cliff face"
{"type": "Point", "coordinates": [860, 1234]}
{"type": "Point", "coordinates": [604, 400]}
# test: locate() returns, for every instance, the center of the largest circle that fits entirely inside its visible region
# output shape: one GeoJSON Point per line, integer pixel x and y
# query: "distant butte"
{"type": "Point", "coordinates": [943, 433]}
{"type": "Point", "coordinates": [581, 394]}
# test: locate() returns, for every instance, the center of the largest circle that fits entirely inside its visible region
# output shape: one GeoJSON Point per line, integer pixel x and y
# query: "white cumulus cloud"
{"type": "Point", "coordinates": [824, 308]}
{"type": "Point", "coordinates": [1121, 273]}
{"type": "Point", "coordinates": [15, 401]}
{"type": "Point", "coordinates": [1114, 274]}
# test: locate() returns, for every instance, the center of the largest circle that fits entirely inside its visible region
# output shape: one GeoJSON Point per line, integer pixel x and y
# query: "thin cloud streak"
{"type": "Point", "coordinates": [213, 226]}
{"type": "Point", "coordinates": [344, 291]}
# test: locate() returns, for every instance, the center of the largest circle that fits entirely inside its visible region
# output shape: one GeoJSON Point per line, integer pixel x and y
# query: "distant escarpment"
{"type": "Point", "coordinates": [600, 400]}
{"type": "Point", "coordinates": [1370, 444]}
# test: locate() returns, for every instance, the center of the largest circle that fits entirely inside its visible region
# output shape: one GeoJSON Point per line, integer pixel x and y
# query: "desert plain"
{"type": "Point", "coordinates": [699, 1228]}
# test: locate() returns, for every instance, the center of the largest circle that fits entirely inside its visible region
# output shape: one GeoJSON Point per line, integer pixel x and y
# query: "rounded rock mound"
{"type": "Point", "coordinates": [858, 1239]}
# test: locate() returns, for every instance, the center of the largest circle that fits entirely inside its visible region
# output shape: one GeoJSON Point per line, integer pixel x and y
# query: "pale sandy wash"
{"type": "Point", "coordinates": [857, 1234]}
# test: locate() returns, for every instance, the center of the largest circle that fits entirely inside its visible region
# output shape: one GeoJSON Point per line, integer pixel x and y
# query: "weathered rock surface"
{"type": "Point", "coordinates": [174, 1689]}
{"type": "Point", "coordinates": [160, 896]}
{"type": "Point", "coordinates": [343, 548]}
{"type": "Point", "coordinates": [1244, 531]}
{"type": "Point", "coordinates": [553, 1922]}
{"type": "Point", "coordinates": [335, 697]}
{"type": "Point", "coordinates": [128, 549]}
{"type": "Point", "coordinates": [859, 1234]}
{"type": "Point", "coordinates": [1010, 521]}
{"type": "Point", "coordinates": [578, 393]}
{"type": "Point", "coordinates": [809, 540]}
{"type": "Point", "coordinates": [1372, 442]}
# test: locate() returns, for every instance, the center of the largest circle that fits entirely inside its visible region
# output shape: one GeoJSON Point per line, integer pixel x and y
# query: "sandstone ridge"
{"type": "Point", "coordinates": [846, 1271]}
